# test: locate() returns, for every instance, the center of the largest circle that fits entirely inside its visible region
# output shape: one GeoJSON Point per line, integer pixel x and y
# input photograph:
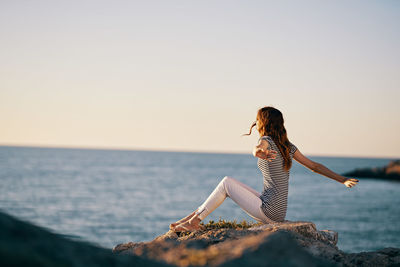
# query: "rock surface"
{"type": "Point", "coordinates": [390, 172]}
{"type": "Point", "coordinates": [281, 244]}
{"type": "Point", "coordinates": [25, 244]}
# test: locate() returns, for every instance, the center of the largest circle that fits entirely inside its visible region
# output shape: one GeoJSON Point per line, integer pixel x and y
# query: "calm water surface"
{"type": "Point", "coordinates": [112, 196]}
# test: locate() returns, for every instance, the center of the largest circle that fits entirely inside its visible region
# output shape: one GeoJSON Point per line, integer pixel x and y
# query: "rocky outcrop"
{"type": "Point", "coordinates": [280, 244]}
{"type": "Point", "coordinates": [25, 244]}
{"type": "Point", "coordinates": [390, 172]}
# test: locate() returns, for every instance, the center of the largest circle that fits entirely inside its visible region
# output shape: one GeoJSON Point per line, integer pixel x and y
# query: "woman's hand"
{"type": "Point", "coordinates": [266, 154]}
{"type": "Point", "coordinates": [350, 182]}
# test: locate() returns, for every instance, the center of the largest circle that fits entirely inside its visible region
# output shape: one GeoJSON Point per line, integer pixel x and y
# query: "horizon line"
{"type": "Point", "coordinates": [175, 150]}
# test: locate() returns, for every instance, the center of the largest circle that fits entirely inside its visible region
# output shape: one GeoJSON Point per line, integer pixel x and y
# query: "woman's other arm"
{"type": "Point", "coordinates": [321, 169]}
{"type": "Point", "coordinates": [261, 151]}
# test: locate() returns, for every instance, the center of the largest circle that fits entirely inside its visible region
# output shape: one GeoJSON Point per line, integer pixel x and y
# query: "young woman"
{"type": "Point", "coordinates": [274, 152]}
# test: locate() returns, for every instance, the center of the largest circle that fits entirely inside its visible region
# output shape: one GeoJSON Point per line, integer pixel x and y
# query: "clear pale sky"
{"type": "Point", "coordinates": [191, 75]}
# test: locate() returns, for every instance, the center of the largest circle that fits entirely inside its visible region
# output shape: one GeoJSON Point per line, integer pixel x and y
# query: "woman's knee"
{"type": "Point", "coordinates": [228, 179]}
{"type": "Point", "coordinates": [228, 183]}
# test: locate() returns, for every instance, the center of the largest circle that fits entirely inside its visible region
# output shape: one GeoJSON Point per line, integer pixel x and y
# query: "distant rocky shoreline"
{"type": "Point", "coordinates": [289, 243]}
{"type": "Point", "coordinates": [389, 172]}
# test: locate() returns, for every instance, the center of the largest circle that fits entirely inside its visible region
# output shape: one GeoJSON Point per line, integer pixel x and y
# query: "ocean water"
{"type": "Point", "coordinates": [109, 197]}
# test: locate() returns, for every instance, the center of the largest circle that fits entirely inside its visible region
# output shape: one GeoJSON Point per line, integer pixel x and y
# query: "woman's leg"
{"type": "Point", "coordinates": [243, 195]}
{"type": "Point", "coordinates": [188, 217]}
{"type": "Point", "coordinates": [255, 192]}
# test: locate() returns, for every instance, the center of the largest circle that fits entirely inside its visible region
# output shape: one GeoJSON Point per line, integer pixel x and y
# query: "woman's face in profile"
{"type": "Point", "coordinates": [258, 126]}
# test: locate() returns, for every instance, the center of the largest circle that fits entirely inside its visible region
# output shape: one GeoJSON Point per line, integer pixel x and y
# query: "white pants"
{"type": "Point", "coordinates": [243, 195]}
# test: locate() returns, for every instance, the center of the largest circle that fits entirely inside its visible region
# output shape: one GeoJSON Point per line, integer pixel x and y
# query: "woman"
{"type": "Point", "coordinates": [275, 153]}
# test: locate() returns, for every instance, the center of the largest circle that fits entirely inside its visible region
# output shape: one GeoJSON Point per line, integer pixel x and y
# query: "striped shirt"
{"type": "Point", "coordinates": [276, 181]}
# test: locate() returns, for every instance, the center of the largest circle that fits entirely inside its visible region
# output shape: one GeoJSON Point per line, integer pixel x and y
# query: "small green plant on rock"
{"type": "Point", "coordinates": [221, 224]}
{"type": "Point", "coordinates": [229, 224]}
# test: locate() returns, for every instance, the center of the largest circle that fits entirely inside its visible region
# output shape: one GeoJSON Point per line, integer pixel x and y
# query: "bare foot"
{"type": "Point", "coordinates": [173, 225]}
{"type": "Point", "coordinates": [189, 226]}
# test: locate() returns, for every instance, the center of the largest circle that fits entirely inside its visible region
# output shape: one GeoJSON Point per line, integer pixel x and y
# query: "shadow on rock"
{"type": "Point", "coordinates": [24, 244]}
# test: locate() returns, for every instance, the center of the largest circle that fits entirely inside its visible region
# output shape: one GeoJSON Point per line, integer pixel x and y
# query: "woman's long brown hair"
{"type": "Point", "coordinates": [271, 123]}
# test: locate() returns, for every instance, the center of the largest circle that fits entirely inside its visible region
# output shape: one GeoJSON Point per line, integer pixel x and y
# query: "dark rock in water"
{"type": "Point", "coordinates": [390, 172]}
{"type": "Point", "coordinates": [280, 244]}
{"type": "Point", "coordinates": [24, 244]}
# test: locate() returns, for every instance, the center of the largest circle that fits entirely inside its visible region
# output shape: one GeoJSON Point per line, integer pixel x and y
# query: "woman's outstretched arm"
{"type": "Point", "coordinates": [321, 169]}
{"type": "Point", "coordinates": [262, 151]}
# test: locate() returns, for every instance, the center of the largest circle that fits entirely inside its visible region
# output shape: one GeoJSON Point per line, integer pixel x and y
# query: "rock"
{"type": "Point", "coordinates": [390, 172]}
{"type": "Point", "coordinates": [281, 244]}
{"type": "Point", "coordinates": [393, 167]}
{"type": "Point", "coordinates": [24, 244]}
{"type": "Point", "coordinates": [383, 257]}
{"type": "Point", "coordinates": [307, 229]}
{"type": "Point", "coordinates": [287, 243]}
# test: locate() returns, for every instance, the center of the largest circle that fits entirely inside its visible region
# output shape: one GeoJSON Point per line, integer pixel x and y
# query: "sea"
{"type": "Point", "coordinates": [108, 197]}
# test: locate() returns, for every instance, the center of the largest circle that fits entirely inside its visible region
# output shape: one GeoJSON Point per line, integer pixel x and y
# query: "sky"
{"type": "Point", "coordinates": [191, 75]}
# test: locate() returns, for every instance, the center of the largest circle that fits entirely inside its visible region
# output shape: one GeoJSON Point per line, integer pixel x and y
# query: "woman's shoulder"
{"type": "Point", "coordinates": [293, 147]}
{"type": "Point", "coordinates": [265, 137]}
